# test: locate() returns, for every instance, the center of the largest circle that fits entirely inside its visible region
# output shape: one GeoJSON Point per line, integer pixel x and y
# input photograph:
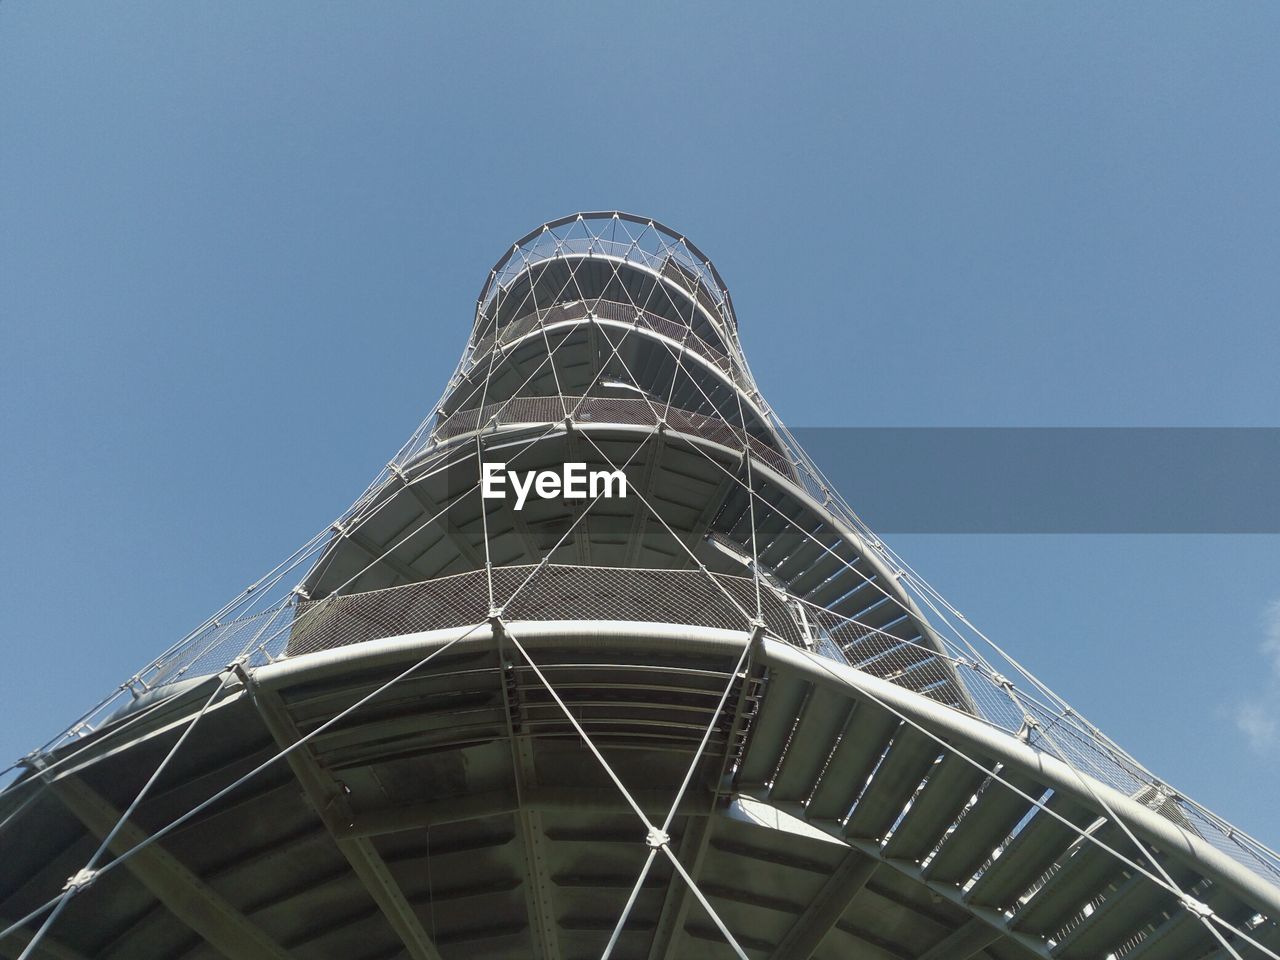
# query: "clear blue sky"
{"type": "Point", "coordinates": [240, 243]}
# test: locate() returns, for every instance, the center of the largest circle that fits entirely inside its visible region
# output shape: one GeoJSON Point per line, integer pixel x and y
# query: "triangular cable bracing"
{"type": "Point", "coordinates": [610, 340]}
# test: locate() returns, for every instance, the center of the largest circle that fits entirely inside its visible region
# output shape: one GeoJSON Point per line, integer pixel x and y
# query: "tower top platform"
{"type": "Point", "coordinates": [626, 239]}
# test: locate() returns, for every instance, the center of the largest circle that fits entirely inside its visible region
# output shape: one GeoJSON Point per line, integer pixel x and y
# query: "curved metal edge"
{"type": "Point", "coordinates": [953, 724]}
{"type": "Point", "coordinates": [534, 334]}
{"type": "Point", "coordinates": [873, 557]}
{"type": "Point", "coordinates": [532, 633]}
{"type": "Point", "coordinates": [167, 707]}
{"type": "Point", "coordinates": [609, 215]}
{"type": "Point", "coordinates": [174, 709]}
{"type": "Point", "coordinates": [1244, 883]}
{"type": "Point", "coordinates": [728, 334]}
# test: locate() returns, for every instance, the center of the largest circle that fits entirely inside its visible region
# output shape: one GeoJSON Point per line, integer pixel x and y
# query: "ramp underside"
{"type": "Point", "coordinates": [459, 814]}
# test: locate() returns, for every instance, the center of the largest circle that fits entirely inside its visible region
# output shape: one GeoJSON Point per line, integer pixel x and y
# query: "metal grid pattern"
{"type": "Point", "coordinates": [567, 592]}
{"type": "Point", "coordinates": [614, 235]}
{"type": "Point", "coordinates": [947, 667]}
{"type": "Point", "coordinates": [605, 410]}
{"type": "Point", "coordinates": [604, 310]}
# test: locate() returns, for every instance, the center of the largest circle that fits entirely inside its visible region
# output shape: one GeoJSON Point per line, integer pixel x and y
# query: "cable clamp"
{"type": "Point", "coordinates": [657, 838]}
{"type": "Point", "coordinates": [1198, 907]}
{"type": "Point", "coordinates": [80, 880]}
{"type": "Point", "coordinates": [1001, 680]}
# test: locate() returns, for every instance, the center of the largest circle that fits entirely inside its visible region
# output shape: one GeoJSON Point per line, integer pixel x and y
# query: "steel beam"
{"type": "Point", "coordinates": [527, 537]}
{"type": "Point", "coordinates": [185, 895]}
{"type": "Point", "coordinates": [675, 906]}
{"type": "Point", "coordinates": [697, 832]}
{"type": "Point", "coordinates": [454, 533]}
{"type": "Point", "coordinates": [383, 555]}
{"type": "Point", "coordinates": [492, 803]}
{"type": "Point", "coordinates": [640, 520]}
{"type": "Point", "coordinates": [953, 895]}
{"type": "Point", "coordinates": [538, 886]}
{"type": "Point", "coordinates": [48, 948]}
{"type": "Point", "coordinates": [826, 908]}
{"type": "Point", "coordinates": [329, 801]}
{"type": "Point", "coordinates": [965, 942]}
{"type": "Point", "coordinates": [581, 535]}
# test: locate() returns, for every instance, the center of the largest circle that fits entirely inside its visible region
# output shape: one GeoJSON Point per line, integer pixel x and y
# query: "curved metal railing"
{"type": "Point", "coordinates": [298, 627]}
{"type": "Point", "coordinates": [622, 236]}
{"type": "Point", "coordinates": [605, 410]}
{"type": "Point", "coordinates": [605, 310]}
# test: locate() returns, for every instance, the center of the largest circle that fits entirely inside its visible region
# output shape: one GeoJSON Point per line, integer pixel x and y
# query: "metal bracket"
{"type": "Point", "coordinates": [80, 880]}
{"type": "Point", "coordinates": [1197, 907]}
{"type": "Point", "coordinates": [657, 838]}
{"type": "Point", "coordinates": [1029, 723]}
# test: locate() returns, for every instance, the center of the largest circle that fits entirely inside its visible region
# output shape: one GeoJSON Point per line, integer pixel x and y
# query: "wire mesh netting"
{"type": "Point", "coordinates": [952, 667]}
{"type": "Point", "coordinates": [553, 592]}
{"type": "Point", "coordinates": [619, 236]}
{"type": "Point", "coordinates": [690, 598]}
{"type": "Point", "coordinates": [624, 313]}
{"type": "Point", "coordinates": [610, 410]}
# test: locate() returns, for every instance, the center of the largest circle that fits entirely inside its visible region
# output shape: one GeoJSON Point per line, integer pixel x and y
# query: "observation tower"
{"type": "Point", "coordinates": [715, 716]}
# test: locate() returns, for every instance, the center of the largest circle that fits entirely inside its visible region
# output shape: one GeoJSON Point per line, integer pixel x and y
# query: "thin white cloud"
{"type": "Point", "coordinates": [1259, 718]}
{"type": "Point", "coordinates": [1258, 722]}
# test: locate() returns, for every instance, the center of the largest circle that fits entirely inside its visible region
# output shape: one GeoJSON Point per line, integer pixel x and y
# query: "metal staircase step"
{"type": "Point", "coordinates": [910, 758]}
{"type": "Point", "coordinates": [780, 704]}
{"type": "Point", "coordinates": [1081, 877]}
{"type": "Point", "coordinates": [951, 785]}
{"type": "Point", "coordinates": [865, 738]}
{"type": "Point", "coordinates": [1126, 912]}
{"type": "Point", "coordinates": [986, 823]}
{"type": "Point", "coordinates": [821, 567]}
{"type": "Point", "coordinates": [1030, 854]}
{"type": "Point", "coordinates": [1182, 934]}
{"type": "Point", "coordinates": [824, 715]}
{"type": "Point", "coordinates": [860, 582]}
